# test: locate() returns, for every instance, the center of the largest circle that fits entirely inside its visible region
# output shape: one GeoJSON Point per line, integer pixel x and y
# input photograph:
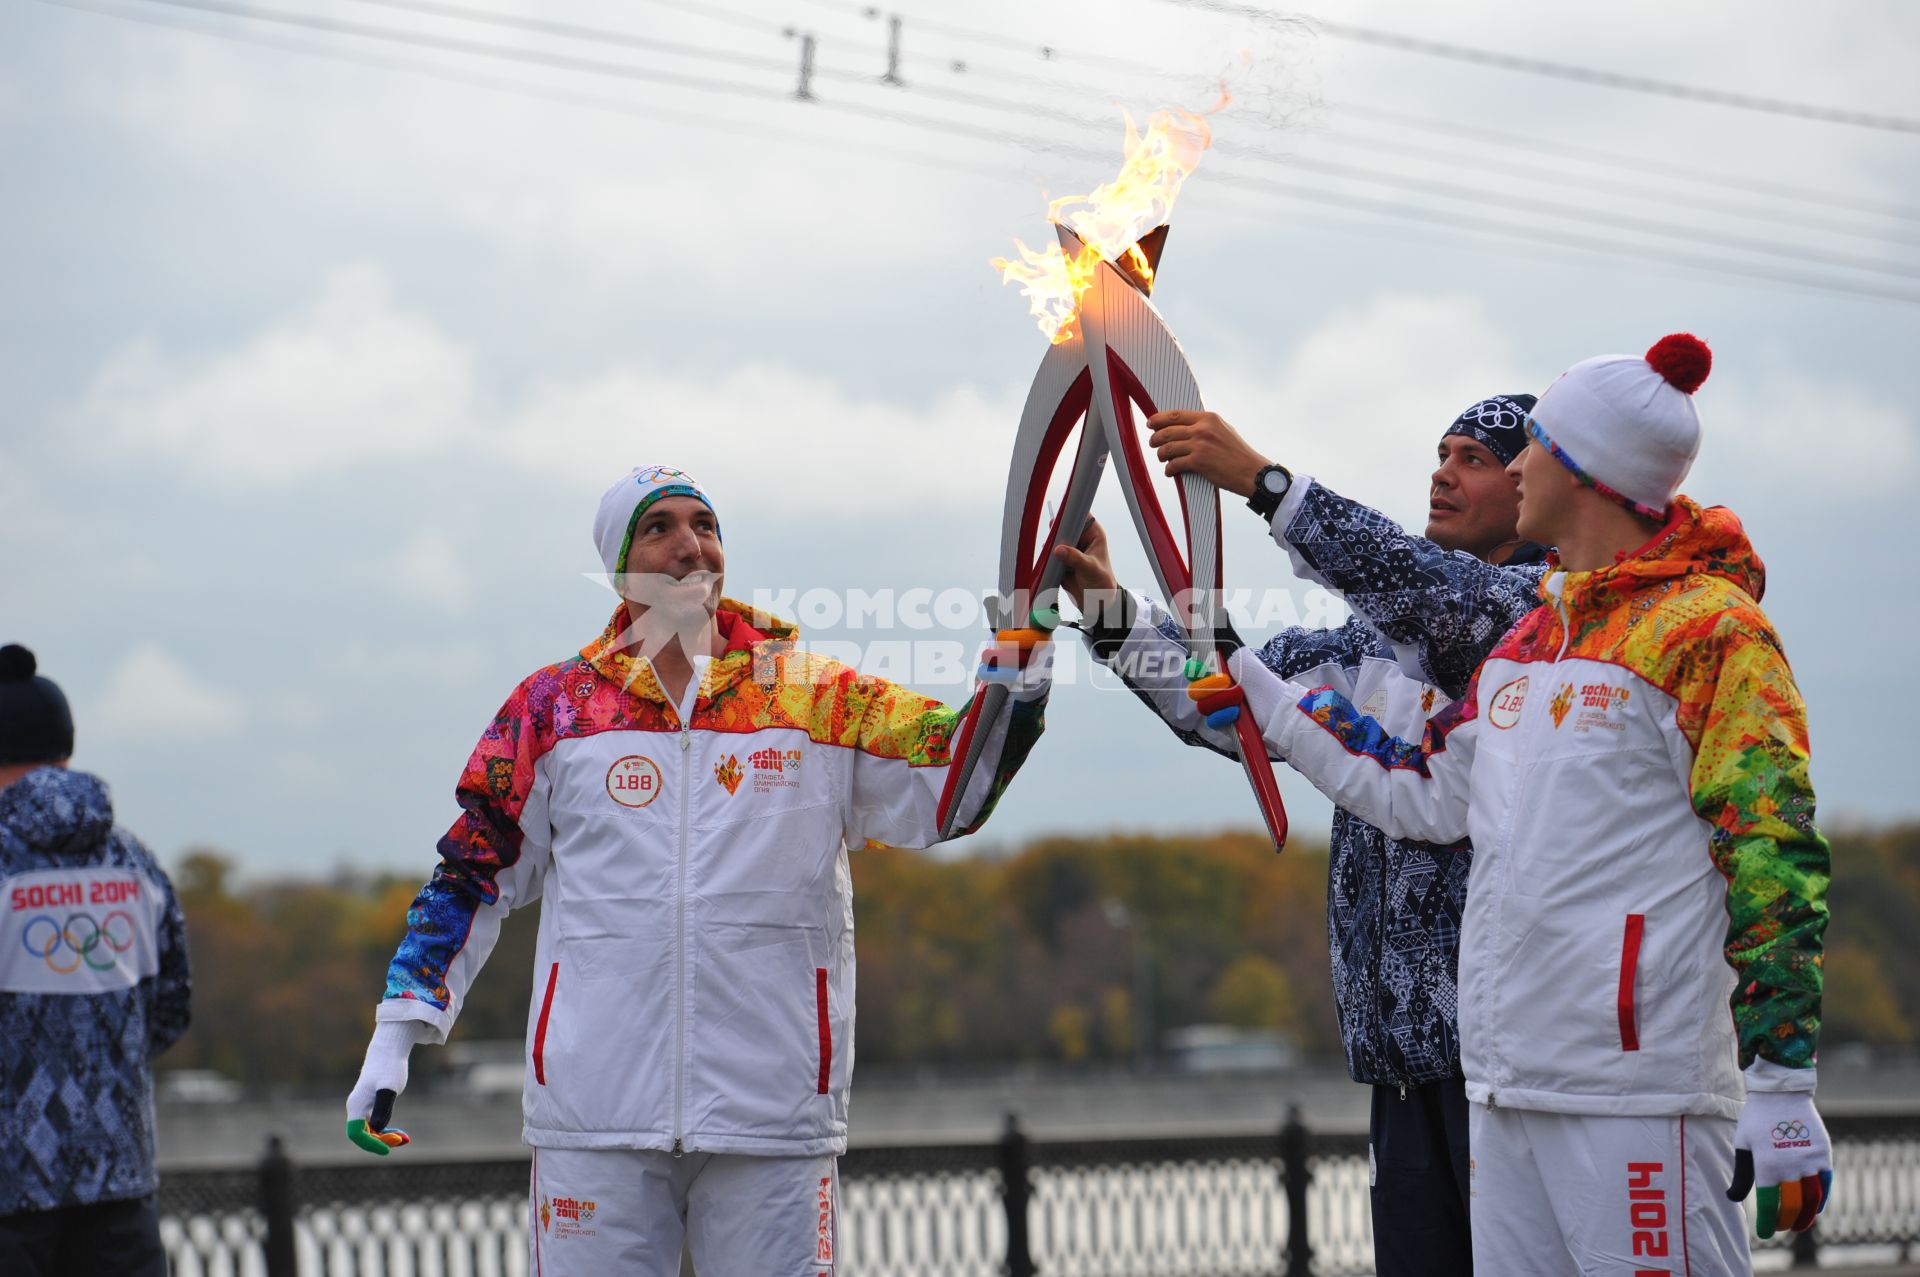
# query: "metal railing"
{"type": "Point", "coordinates": [1289, 1204]}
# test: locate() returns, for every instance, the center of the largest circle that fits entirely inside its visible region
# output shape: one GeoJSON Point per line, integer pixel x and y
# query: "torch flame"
{"type": "Point", "coordinates": [1110, 220]}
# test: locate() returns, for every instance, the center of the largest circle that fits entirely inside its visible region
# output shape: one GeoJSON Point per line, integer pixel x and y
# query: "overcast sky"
{"type": "Point", "coordinates": [316, 349]}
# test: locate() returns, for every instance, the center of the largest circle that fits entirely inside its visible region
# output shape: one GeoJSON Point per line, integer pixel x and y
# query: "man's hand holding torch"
{"type": "Point", "coordinates": [1203, 443]}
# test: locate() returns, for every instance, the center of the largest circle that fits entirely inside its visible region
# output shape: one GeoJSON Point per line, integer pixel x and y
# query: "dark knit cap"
{"type": "Point", "coordinates": [35, 724]}
{"type": "Point", "coordinates": [1500, 423]}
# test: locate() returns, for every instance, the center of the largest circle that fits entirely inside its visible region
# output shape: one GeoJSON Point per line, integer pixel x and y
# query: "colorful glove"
{"type": "Point", "coordinates": [1217, 696]}
{"type": "Point", "coordinates": [382, 1077]}
{"type": "Point", "coordinates": [1782, 1145]}
{"type": "Point", "coordinates": [1013, 649]}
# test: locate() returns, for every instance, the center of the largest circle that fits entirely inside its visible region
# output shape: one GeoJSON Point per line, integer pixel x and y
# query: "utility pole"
{"type": "Point", "coordinates": [804, 91]}
{"type": "Point", "coordinates": [893, 51]}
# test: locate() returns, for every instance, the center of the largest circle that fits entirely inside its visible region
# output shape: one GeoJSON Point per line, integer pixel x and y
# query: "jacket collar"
{"type": "Point", "coordinates": [743, 629]}
{"type": "Point", "coordinates": [1696, 540]}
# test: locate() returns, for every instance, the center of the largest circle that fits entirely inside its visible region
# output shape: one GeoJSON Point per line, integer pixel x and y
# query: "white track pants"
{"type": "Point", "coordinates": [1559, 1195]}
{"type": "Point", "coordinates": [625, 1213]}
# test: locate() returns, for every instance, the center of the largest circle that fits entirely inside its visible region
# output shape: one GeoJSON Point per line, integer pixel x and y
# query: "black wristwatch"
{"type": "Point", "coordinates": [1269, 490]}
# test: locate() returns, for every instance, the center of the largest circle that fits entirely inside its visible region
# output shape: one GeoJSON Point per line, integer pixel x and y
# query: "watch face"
{"type": "Point", "coordinates": [1274, 481]}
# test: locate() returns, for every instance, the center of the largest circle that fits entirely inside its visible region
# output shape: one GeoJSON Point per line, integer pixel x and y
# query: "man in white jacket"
{"type": "Point", "coordinates": [1631, 764]}
{"type": "Point", "coordinates": [682, 795]}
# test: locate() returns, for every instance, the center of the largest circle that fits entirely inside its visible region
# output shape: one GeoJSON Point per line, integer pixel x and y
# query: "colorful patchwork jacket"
{"type": "Point", "coordinates": [1393, 905]}
{"type": "Point", "coordinates": [694, 968]}
{"type": "Point", "coordinates": [1631, 764]}
{"type": "Point", "coordinates": [93, 984]}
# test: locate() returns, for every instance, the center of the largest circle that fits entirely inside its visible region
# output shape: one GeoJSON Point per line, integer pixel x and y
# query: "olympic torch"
{"type": "Point", "coordinates": [1112, 354]}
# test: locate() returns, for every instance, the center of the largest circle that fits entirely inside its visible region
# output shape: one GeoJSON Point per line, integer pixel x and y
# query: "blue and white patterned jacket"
{"type": "Point", "coordinates": [1393, 907]}
{"type": "Point", "coordinates": [93, 983]}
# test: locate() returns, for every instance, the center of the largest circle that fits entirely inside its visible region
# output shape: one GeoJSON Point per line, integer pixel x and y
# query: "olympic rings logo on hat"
{"type": "Point", "coordinates": [1501, 414]}
{"type": "Point", "coordinates": [1791, 1131]}
{"type": "Point", "coordinates": [653, 474]}
{"type": "Point", "coordinates": [48, 940]}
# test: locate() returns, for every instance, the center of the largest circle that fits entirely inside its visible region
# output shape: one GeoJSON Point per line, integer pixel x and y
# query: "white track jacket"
{"type": "Point", "coordinates": [693, 987]}
{"type": "Point", "coordinates": [1646, 906]}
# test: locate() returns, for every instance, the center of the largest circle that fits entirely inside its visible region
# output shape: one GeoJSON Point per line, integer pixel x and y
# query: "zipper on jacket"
{"type": "Point", "coordinates": [1557, 589]}
{"type": "Point", "coordinates": [680, 939]}
{"type": "Point", "coordinates": [1566, 624]}
{"type": "Point", "coordinates": [1403, 1092]}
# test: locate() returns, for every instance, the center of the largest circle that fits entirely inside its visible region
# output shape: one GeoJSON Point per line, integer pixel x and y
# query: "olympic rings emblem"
{"type": "Point", "coordinates": [1790, 1131]}
{"type": "Point", "coordinates": [87, 939]}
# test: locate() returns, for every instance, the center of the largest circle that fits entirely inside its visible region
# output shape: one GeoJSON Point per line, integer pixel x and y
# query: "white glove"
{"type": "Point", "coordinates": [1268, 696]}
{"type": "Point", "coordinates": [1781, 1145]}
{"type": "Point", "coordinates": [382, 1074]}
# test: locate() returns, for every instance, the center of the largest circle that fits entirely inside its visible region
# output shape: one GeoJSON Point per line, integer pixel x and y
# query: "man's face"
{"type": "Point", "coordinates": [1546, 494]}
{"type": "Point", "coordinates": [1472, 504]}
{"type": "Point", "coordinates": [675, 562]}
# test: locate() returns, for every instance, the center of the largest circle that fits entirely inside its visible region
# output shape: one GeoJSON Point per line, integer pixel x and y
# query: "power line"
{"type": "Point", "coordinates": [1618, 248]}
{"type": "Point", "coordinates": [717, 13]}
{"type": "Point", "coordinates": [1457, 191]}
{"type": "Point", "coordinates": [454, 44]}
{"type": "Point", "coordinates": [1595, 155]}
{"type": "Point", "coordinates": [999, 40]}
{"type": "Point", "coordinates": [1025, 110]}
{"type": "Point", "coordinates": [1612, 248]}
{"type": "Point", "coordinates": [1612, 186]}
{"type": "Point", "coordinates": [599, 34]}
{"type": "Point", "coordinates": [1563, 70]}
{"type": "Point", "coordinates": [453, 75]}
{"type": "Point", "coordinates": [575, 31]}
{"type": "Point", "coordinates": [1541, 146]}
{"type": "Point", "coordinates": [1633, 252]}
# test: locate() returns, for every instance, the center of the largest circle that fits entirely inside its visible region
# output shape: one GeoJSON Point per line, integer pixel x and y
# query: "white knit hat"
{"type": "Point", "coordinates": [1626, 425]}
{"type": "Point", "coordinates": [630, 495]}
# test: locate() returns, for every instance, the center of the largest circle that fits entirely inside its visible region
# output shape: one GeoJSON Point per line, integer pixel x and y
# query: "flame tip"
{"type": "Point", "coordinates": [1112, 222]}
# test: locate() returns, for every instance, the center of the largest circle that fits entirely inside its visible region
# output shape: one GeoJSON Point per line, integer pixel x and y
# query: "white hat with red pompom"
{"type": "Point", "coordinates": [1626, 424]}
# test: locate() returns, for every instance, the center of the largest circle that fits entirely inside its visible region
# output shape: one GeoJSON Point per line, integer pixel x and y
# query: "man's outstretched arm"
{"type": "Point", "coordinates": [1441, 609]}
{"type": "Point", "coordinates": [1140, 642]}
{"type": "Point", "coordinates": [904, 747]}
{"type": "Point", "coordinates": [1410, 789]}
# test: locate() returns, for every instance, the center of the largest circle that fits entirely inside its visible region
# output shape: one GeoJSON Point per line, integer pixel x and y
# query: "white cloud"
{"type": "Point", "coordinates": [151, 698]}
{"type": "Point", "coordinates": [353, 379]}
{"type": "Point", "coordinates": [1792, 432]}
{"type": "Point", "coordinates": [428, 569]}
{"type": "Point", "coordinates": [783, 440]}
{"type": "Point", "coordinates": [1363, 398]}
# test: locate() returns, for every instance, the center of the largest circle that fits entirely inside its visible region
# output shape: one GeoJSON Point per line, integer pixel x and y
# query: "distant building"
{"type": "Point", "coordinates": [1223, 1048]}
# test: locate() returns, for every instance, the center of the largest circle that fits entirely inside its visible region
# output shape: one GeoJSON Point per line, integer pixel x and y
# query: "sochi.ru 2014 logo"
{"type": "Point", "coordinates": [775, 769]}
{"type": "Point", "coordinates": [1792, 1133]}
{"type": "Point", "coordinates": [567, 1216]}
{"type": "Point", "coordinates": [79, 940]}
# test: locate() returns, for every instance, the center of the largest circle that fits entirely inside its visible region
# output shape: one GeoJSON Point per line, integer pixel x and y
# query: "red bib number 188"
{"type": "Point", "coordinates": [633, 781]}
